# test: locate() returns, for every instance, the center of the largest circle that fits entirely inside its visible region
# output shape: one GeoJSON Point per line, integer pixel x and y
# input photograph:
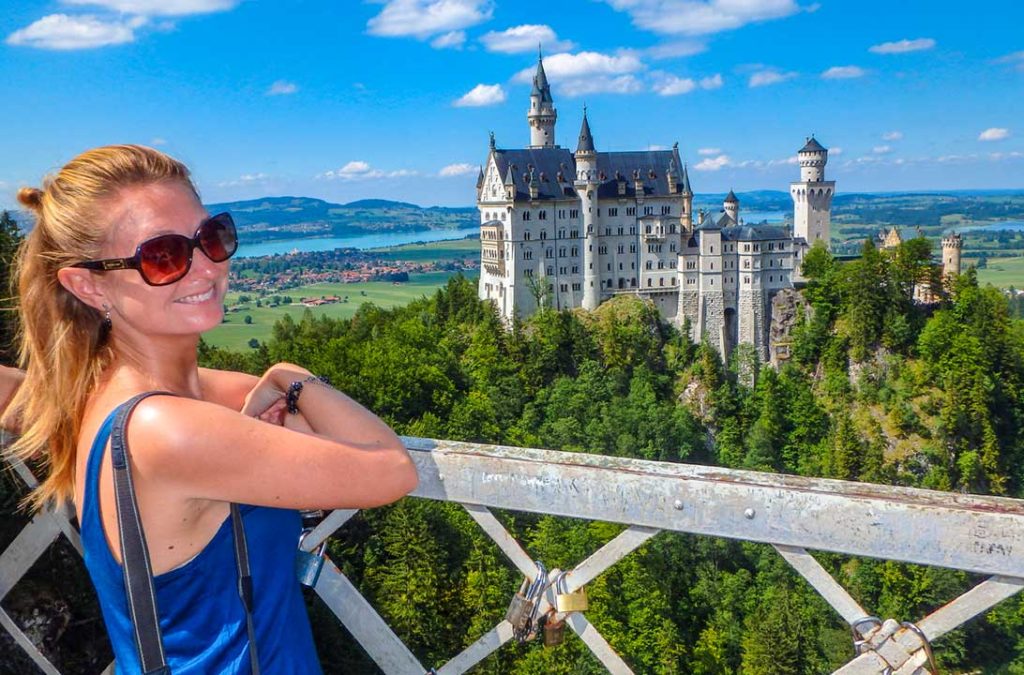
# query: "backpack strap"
{"type": "Point", "coordinates": [135, 563]}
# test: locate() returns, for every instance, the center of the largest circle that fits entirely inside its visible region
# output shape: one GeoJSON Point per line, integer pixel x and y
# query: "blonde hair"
{"type": "Point", "coordinates": [63, 344]}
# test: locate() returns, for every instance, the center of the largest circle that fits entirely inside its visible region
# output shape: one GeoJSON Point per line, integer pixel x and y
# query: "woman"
{"type": "Point", "coordinates": [122, 272]}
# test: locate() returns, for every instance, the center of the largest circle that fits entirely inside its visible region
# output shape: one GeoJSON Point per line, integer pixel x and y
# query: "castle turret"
{"type": "Point", "coordinates": [586, 186]}
{"type": "Point", "coordinates": [731, 205]}
{"type": "Point", "coordinates": [542, 114]}
{"type": "Point", "coordinates": [687, 201]}
{"type": "Point", "coordinates": [812, 196]}
{"type": "Point", "coordinates": [952, 245]}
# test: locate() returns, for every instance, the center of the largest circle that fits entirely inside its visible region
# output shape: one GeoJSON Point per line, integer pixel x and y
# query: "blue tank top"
{"type": "Point", "coordinates": [201, 615]}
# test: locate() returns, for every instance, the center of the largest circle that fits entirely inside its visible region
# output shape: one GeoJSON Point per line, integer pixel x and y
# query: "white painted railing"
{"type": "Point", "coordinates": [976, 534]}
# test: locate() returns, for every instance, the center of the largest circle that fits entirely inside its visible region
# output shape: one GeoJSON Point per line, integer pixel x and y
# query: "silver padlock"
{"type": "Point", "coordinates": [309, 564]}
{"type": "Point", "coordinates": [520, 609]}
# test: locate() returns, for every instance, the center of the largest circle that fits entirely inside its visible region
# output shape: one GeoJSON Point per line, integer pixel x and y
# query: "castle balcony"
{"type": "Point", "coordinates": [793, 515]}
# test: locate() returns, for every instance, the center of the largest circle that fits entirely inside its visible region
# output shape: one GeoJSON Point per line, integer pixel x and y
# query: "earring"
{"type": "Point", "coordinates": [107, 325]}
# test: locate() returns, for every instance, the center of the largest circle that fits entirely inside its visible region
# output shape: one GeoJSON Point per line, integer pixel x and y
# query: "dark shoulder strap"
{"type": "Point", "coordinates": [244, 583]}
{"type": "Point", "coordinates": [135, 563]}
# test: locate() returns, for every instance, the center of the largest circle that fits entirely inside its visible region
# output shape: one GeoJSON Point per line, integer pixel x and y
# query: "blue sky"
{"type": "Point", "coordinates": [344, 99]}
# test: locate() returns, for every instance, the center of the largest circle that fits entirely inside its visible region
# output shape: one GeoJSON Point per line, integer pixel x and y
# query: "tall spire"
{"type": "Point", "coordinates": [540, 81]}
{"type": "Point", "coordinates": [686, 181]}
{"type": "Point", "coordinates": [586, 143]}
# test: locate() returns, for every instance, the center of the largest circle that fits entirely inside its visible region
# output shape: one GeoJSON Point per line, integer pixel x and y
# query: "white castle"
{"type": "Point", "coordinates": [564, 230]}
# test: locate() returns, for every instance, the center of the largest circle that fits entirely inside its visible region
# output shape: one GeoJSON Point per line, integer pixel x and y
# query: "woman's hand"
{"type": "Point", "coordinates": [267, 400]}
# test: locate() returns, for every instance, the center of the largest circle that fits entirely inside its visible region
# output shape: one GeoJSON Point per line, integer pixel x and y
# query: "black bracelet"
{"type": "Point", "coordinates": [291, 398]}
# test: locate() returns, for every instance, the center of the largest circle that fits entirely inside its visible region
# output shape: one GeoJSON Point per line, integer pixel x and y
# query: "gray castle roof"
{"type": "Point", "coordinates": [651, 167]}
{"type": "Point", "coordinates": [586, 143]}
{"type": "Point", "coordinates": [686, 181]}
{"type": "Point", "coordinates": [540, 83]}
{"type": "Point", "coordinates": [813, 146]}
{"type": "Point", "coordinates": [733, 232]}
{"type": "Point", "coordinates": [731, 198]}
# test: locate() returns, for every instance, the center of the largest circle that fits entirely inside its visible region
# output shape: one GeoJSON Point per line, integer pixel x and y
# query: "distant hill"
{"type": "Point", "coordinates": [291, 217]}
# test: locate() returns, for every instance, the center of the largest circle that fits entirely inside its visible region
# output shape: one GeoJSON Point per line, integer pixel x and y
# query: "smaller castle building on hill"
{"type": "Point", "coordinates": [568, 229]}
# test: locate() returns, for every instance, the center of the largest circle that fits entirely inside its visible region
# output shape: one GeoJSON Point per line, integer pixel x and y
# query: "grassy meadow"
{"type": "Point", "coordinates": [1003, 272]}
{"type": "Point", "coordinates": [235, 333]}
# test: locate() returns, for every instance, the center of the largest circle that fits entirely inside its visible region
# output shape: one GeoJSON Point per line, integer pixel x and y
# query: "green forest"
{"type": "Point", "coordinates": [879, 389]}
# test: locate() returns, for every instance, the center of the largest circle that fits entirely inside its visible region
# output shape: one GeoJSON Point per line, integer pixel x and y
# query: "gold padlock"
{"type": "Point", "coordinates": [569, 602]}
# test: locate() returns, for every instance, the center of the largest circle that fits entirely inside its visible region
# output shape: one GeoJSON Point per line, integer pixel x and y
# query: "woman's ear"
{"type": "Point", "coordinates": [82, 284]}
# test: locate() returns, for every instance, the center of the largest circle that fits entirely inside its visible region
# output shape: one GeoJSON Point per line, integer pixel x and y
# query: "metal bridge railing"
{"type": "Point", "coordinates": [977, 534]}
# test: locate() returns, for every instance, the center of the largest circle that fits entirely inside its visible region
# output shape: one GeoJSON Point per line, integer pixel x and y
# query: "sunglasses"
{"type": "Point", "coordinates": [165, 259]}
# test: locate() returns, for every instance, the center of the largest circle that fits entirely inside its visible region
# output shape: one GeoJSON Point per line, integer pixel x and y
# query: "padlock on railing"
{"type": "Point", "coordinates": [523, 608]}
{"type": "Point", "coordinates": [309, 564]}
{"type": "Point", "coordinates": [566, 601]}
{"type": "Point", "coordinates": [554, 629]}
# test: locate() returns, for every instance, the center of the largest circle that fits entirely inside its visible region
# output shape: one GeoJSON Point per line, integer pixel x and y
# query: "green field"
{"type": "Point", "coordinates": [235, 334]}
{"type": "Point", "coordinates": [1003, 272]}
{"type": "Point", "coordinates": [437, 251]}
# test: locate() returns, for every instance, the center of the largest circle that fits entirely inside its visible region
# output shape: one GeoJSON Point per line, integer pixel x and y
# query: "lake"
{"type": "Point", "coordinates": [398, 238]}
{"type": "Point", "coordinates": [362, 241]}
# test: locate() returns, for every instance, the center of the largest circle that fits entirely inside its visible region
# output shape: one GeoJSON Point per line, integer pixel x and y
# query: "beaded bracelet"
{"type": "Point", "coordinates": [291, 398]}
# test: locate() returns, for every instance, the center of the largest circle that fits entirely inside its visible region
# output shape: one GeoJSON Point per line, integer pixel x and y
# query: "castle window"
{"type": "Point", "coordinates": [613, 212]}
{"type": "Point", "coordinates": [712, 249]}
{"type": "Point", "coordinates": [609, 267]}
{"type": "Point", "coordinates": [649, 264]}
{"type": "Point", "coordinates": [648, 282]}
{"type": "Point", "coordinates": [562, 271]}
{"type": "Point", "coordinates": [672, 228]}
{"type": "Point", "coordinates": [561, 234]}
{"type": "Point", "coordinates": [666, 210]}
{"type": "Point", "coordinates": [551, 270]}
{"type": "Point", "coordinates": [620, 267]}
{"type": "Point", "coordinates": [661, 281]}
{"type": "Point", "coordinates": [564, 287]}
{"type": "Point", "coordinates": [561, 213]}
{"type": "Point", "coordinates": [527, 254]}
{"type": "Point", "coordinates": [577, 287]}
{"type": "Point", "coordinates": [661, 265]}
{"type": "Point", "coordinates": [632, 266]}
{"type": "Point", "coordinates": [549, 253]}
{"type": "Point", "coordinates": [526, 215]}
{"type": "Point", "coordinates": [630, 210]}
{"type": "Point", "coordinates": [673, 281]}
{"type": "Point", "coordinates": [543, 234]}
{"type": "Point", "coordinates": [602, 249]}
{"type": "Point", "coordinates": [607, 231]}
{"type": "Point", "coordinates": [746, 264]}
{"type": "Point", "coordinates": [620, 231]}
{"type": "Point", "coordinates": [526, 235]}
{"type": "Point", "coordinates": [574, 213]}
{"type": "Point", "coordinates": [632, 248]}
{"type": "Point", "coordinates": [575, 269]}
{"type": "Point", "coordinates": [575, 251]}
{"type": "Point", "coordinates": [561, 252]}
{"type": "Point", "coordinates": [528, 273]}
{"type": "Point", "coordinates": [632, 230]}
{"type": "Point", "coordinates": [542, 215]}
{"type": "Point", "coordinates": [574, 234]}
{"type": "Point", "coordinates": [503, 214]}
{"type": "Point", "coordinates": [648, 210]}
{"type": "Point", "coordinates": [672, 247]}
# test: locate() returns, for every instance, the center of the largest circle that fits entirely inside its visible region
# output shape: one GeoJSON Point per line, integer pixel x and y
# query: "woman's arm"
{"type": "Point", "coordinates": [347, 458]}
{"type": "Point", "coordinates": [10, 380]}
{"type": "Point", "coordinates": [226, 387]}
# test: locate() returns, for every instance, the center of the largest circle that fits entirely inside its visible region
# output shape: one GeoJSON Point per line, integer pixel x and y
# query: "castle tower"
{"type": "Point", "coordinates": [586, 186]}
{"type": "Point", "coordinates": [812, 195]}
{"type": "Point", "coordinates": [542, 114]}
{"type": "Point", "coordinates": [731, 205]}
{"type": "Point", "coordinates": [952, 244]}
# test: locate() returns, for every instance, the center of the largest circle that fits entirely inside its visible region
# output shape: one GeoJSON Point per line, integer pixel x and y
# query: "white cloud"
{"type": "Point", "coordinates": [64, 32]}
{"type": "Point", "coordinates": [525, 38]}
{"type": "Point", "coordinates": [903, 46]}
{"type": "Point", "coordinates": [159, 7]}
{"type": "Point", "coordinates": [843, 73]}
{"type": "Point", "coordinates": [590, 72]}
{"type": "Point", "coordinates": [998, 156]}
{"type": "Point", "coordinates": [245, 179]}
{"type": "Point", "coordinates": [1016, 59]}
{"type": "Point", "coordinates": [566, 66]}
{"type": "Point", "coordinates": [891, 136]}
{"type": "Point", "coordinates": [602, 84]}
{"type": "Point", "coordinates": [835, 152]}
{"type": "Point", "coordinates": [769, 76]}
{"type": "Point", "coordinates": [452, 40]}
{"type": "Point", "coordinates": [360, 170]}
{"type": "Point", "coordinates": [675, 50]}
{"type": "Point", "coordinates": [713, 163]}
{"type": "Point", "coordinates": [158, 141]}
{"type": "Point", "coordinates": [994, 134]}
{"type": "Point", "coordinates": [670, 85]}
{"type": "Point", "coordinates": [424, 18]}
{"type": "Point", "coordinates": [701, 17]}
{"type": "Point", "coordinates": [460, 169]}
{"type": "Point", "coordinates": [713, 82]}
{"type": "Point", "coordinates": [704, 152]}
{"type": "Point", "coordinates": [654, 147]}
{"type": "Point", "coordinates": [282, 88]}
{"type": "Point", "coordinates": [480, 95]}
{"type": "Point", "coordinates": [881, 149]}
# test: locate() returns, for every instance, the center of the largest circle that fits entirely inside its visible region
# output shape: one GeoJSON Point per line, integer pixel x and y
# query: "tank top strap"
{"type": "Point", "coordinates": [91, 493]}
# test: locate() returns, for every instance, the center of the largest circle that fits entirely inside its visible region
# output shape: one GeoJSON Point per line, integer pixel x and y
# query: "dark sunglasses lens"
{"type": "Point", "coordinates": [217, 238]}
{"type": "Point", "coordinates": [164, 260]}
